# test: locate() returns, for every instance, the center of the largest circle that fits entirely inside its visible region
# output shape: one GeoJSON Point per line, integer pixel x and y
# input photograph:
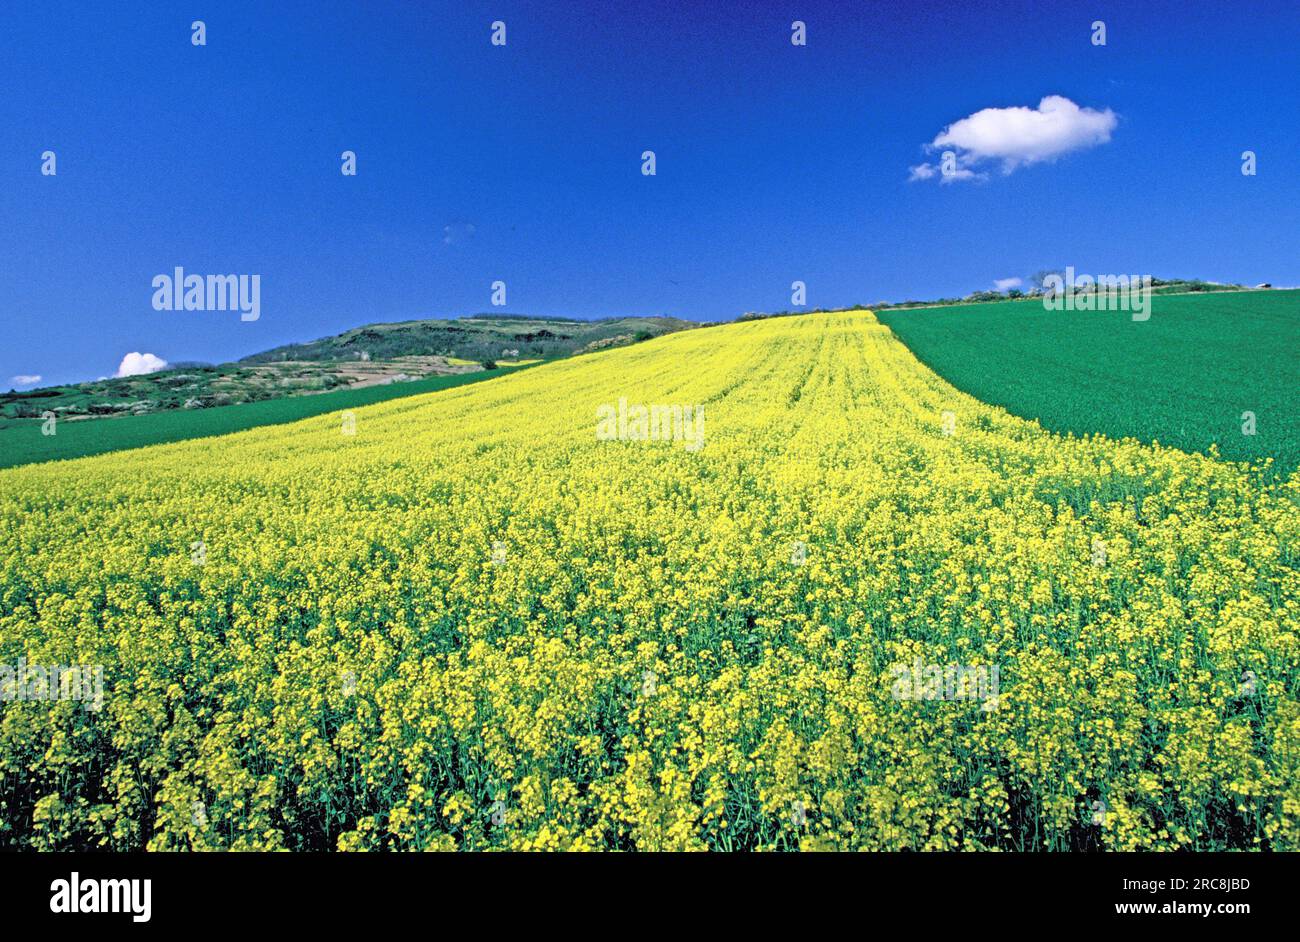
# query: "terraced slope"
{"type": "Point", "coordinates": [473, 623]}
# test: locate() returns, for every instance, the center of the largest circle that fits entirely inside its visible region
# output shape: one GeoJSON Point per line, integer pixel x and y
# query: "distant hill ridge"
{"type": "Point", "coordinates": [478, 337]}
{"type": "Point", "coordinates": [369, 355]}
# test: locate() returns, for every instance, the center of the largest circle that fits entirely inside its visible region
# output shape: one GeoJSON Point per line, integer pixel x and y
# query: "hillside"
{"type": "Point", "coordinates": [23, 442]}
{"type": "Point", "coordinates": [375, 354]}
{"type": "Point", "coordinates": [479, 337]}
{"type": "Point", "coordinates": [501, 616]}
{"type": "Point", "coordinates": [1185, 377]}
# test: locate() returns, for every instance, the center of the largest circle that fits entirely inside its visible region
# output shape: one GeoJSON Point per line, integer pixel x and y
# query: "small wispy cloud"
{"type": "Point", "coordinates": [1016, 137]}
{"type": "Point", "coordinates": [457, 232]}
{"type": "Point", "coordinates": [958, 168]}
{"type": "Point", "coordinates": [25, 379]}
{"type": "Point", "coordinates": [1005, 284]}
{"type": "Point", "coordinates": [140, 364]}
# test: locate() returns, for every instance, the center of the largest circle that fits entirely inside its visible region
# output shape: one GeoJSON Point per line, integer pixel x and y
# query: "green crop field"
{"type": "Point", "coordinates": [22, 442]}
{"type": "Point", "coordinates": [1184, 377]}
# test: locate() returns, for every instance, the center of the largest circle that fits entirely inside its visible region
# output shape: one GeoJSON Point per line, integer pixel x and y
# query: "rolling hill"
{"type": "Point", "coordinates": [398, 354]}
{"type": "Point", "coordinates": [480, 337]}
{"type": "Point", "coordinates": [1205, 370]}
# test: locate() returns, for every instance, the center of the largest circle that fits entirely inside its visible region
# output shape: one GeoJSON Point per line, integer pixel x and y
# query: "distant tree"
{"type": "Point", "coordinates": [1038, 278]}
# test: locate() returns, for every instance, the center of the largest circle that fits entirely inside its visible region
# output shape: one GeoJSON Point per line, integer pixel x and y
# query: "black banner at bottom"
{"type": "Point", "coordinates": [171, 892]}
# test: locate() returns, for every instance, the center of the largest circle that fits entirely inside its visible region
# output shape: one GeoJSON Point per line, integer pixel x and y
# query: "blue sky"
{"type": "Point", "coordinates": [774, 162]}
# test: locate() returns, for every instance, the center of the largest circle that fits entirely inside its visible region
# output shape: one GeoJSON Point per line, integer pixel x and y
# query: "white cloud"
{"type": "Point", "coordinates": [1002, 284]}
{"type": "Point", "coordinates": [1018, 136]}
{"type": "Point", "coordinates": [25, 380]}
{"type": "Point", "coordinates": [140, 364]}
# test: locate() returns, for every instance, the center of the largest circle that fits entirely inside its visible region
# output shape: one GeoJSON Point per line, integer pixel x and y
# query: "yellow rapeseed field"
{"type": "Point", "coordinates": [472, 623]}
